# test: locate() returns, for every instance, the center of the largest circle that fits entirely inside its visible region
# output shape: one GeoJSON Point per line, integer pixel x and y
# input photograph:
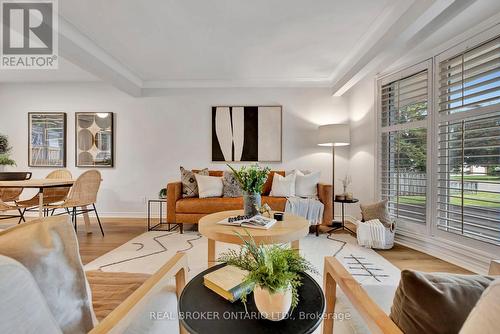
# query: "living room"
{"type": "Point", "coordinates": [119, 143]}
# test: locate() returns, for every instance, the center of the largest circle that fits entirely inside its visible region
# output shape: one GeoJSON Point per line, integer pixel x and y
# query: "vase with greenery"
{"type": "Point", "coordinates": [275, 271]}
{"type": "Point", "coordinates": [5, 150]}
{"type": "Point", "coordinates": [251, 179]}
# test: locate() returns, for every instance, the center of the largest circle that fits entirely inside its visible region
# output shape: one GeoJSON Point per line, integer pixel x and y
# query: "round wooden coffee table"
{"type": "Point", "coordinates": [291, 229]}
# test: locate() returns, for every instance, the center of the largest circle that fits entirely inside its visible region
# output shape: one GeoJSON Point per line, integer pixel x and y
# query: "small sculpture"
{"type": "Point", "coordinates": [264, 210]}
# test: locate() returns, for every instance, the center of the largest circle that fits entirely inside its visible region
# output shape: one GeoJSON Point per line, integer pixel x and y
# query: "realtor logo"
{"type": "Point", "coordinates": [29, 34]}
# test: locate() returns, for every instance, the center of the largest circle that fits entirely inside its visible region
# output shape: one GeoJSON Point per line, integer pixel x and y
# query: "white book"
{"type": "Point", "coordinates": [257, 221]}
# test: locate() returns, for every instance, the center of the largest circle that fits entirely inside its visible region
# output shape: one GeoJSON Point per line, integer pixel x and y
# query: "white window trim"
{"type": "Point", "coordinates": [431, 230]}
{"type": "Point", "coordinates": [437, 119]}
{"type": "Point", "coordinates": [380, 81]}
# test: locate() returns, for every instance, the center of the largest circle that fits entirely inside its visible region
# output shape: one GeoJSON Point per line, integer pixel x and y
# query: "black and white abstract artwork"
{"type": "Point", "coordinates": [249, 133]}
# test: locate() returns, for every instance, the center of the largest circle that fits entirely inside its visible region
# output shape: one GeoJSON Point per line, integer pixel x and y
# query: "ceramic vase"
{"type": "Point", "coordinates": [250, 203]}
{"type": "Point", "coordinates": [272, 306]}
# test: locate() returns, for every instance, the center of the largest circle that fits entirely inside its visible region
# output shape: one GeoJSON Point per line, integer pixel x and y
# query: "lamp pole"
{"type": "Point", "coordinates": [333, 183]}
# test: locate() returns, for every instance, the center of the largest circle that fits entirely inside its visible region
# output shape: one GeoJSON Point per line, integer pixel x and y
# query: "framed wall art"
{"type": "Point", "coordinates": [94, 139]}
{"type": "Point", "coordinates": [246, 133]}
{"type": "Point", "coordinates": [47, 139]}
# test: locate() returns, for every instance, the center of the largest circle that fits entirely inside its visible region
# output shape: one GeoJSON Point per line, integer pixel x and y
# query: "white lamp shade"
{"type": "Point", "coordinates": [334, 135]}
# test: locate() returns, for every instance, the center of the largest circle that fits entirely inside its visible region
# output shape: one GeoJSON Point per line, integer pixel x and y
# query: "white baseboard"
{"type": "Point", "coordinates": [108, 214]}
{"type": "Point", "coordinates": [466, 257]}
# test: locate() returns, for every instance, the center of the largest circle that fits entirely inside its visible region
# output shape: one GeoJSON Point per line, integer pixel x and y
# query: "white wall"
{"type": "Point", "coordinates": [361, 102]}
{"type": "Point", "coordinates": [157, 134]}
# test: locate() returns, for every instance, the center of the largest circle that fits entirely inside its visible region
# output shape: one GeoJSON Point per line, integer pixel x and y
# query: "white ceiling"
{"type": "Point", "coordinates": [138, 45]}
{"type": "Point", "coordinates": [225, 39]}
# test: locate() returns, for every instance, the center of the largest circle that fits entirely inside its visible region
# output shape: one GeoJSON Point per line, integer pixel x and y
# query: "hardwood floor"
{"type": "Point", "coordinates": [120, 230]}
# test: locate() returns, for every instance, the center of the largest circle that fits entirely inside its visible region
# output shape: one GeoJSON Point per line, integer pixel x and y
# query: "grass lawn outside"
{"type": "Point", "coordinates": [469, 199]}
{"type": "Point", "coordinates": [478, 178]}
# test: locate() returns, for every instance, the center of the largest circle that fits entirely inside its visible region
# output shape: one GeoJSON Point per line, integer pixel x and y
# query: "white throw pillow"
{"type": "Point", "coordinates": [23, 308]}
{"type": "Point", "coordinates": [484, 316]}
{"type": "Point", "coordinates": [283, 186]}
{"type": "Point", "coordinates": [48, 248]}
{"type": "Point", "coordinates": [209, 186]}
{"type": "Point", "coordinates": [306, 185]}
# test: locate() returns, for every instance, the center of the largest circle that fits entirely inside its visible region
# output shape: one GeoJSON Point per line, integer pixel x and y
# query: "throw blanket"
{"type": "Point", "coordinates": [373, 234]}
{"type": "Point", "coordinates": [309, 208]}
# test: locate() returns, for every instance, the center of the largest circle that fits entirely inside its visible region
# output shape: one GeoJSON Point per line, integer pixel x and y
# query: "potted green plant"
{"type": "Point", "coordinates": [5, 150]}
{"type": "Point", "coordinates": [274, 271]}
{"type": "Point", "coordinates": [251, 179]}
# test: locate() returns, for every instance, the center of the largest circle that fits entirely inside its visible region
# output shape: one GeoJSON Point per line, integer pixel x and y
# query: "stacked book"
{"type": "Point", "coordinates": [228, 282]}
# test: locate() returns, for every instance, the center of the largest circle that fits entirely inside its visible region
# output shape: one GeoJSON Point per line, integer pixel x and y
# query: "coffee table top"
{"type": "Point", "coordinates": [290, 229]}
{"type": "Point", "coordinates": [203, 311]}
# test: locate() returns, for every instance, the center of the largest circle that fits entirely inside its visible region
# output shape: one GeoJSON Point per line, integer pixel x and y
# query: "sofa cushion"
{"type": "Point", "coordinates": [266, 189]}
{"type": "Point", "coordinates": [209, 186]}
{"type": "Point", "coordinates": [232, 187]}
{"type": "Point", "coordinates": [423, 300]}
{"type": "Point", "coordinates": [189, 184]}
{"type": "Point", "coordinates": [212, 205]}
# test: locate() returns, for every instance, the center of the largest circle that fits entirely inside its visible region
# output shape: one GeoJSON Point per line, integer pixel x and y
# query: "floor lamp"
{"type": "Point", "coordinates": [334, 135]}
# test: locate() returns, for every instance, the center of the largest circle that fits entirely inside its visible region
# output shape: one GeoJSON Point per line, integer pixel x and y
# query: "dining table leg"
{"type": "Point", "coordinates": [295, 244]}
{"type": "Point", "coordinates": [86, 219]}
{"type": "Point", "coordinates": [40, 203]}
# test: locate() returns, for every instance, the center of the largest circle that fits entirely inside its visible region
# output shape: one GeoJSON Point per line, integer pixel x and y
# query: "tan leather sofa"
{"type": "Point", "coordinates": [190, 210]}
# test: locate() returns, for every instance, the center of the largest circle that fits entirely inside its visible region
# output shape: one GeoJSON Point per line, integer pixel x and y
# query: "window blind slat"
{"type": "Point", "coordinates": [469, 177]}
{"type": "Point", "coordinates": [471, 79]}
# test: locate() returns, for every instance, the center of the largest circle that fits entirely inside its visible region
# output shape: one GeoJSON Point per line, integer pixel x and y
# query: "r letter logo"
{"type": "Point", "coordinates": [29, 35]}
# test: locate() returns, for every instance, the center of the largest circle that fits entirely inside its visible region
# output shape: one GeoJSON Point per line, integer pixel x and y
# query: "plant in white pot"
{"type": "Point", "coordinates": [274, 271]}
{"type": "Point", "coordinates": [5, 149]}
{"type": "Point", "coordinates": [251, 179]}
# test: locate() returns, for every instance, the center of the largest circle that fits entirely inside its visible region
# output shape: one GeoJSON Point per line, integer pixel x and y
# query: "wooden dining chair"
{"type": "Point", "coordinates": [12, 194]}
{"type": "Point", "coordinates": [83, 194]}
{"type": "Point", "coordinates": [11, 207]}
{"type": "Point", "coordinates": [50, 195]}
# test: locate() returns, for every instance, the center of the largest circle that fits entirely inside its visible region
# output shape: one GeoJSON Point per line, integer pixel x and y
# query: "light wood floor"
{"type": "Point", "coordinates": [120, 230]}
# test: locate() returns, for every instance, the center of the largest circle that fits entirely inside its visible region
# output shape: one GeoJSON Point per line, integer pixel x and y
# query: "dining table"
{"type": "Point", "coordinates": [39, 184]}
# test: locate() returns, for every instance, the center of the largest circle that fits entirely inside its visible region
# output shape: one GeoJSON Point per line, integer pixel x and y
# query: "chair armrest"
{"type": "Point", "coordinates": [174, 193]}
{"type": "Point", "coordinates": [375, 318]}
{"type": "Point", "coordinates": [325, 195]}
{"type": "Point", "coordinates": [494, 268]}
{"type": "Point", "coordinates": [121, 317]}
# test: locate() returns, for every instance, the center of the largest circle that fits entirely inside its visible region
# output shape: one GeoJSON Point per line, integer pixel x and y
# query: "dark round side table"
{"type": "Point", "coordinates": [341, 224]}
{"type": "Point", "coordinates": [203, 311]}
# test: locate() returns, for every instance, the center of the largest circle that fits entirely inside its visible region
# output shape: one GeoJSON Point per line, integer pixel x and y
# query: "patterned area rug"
{"type": "Point", "coordinates": [149, 251]}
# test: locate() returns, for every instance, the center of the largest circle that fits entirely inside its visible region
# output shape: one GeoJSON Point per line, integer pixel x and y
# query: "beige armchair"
{"type": "Point", "coordinates": [374, 317]}
{"type": "Point", "coordinates": [48, 283]}
{"type": "Point", "coordinates": [123, 316]}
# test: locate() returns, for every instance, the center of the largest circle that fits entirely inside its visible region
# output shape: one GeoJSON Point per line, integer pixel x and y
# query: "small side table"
{"type": "Point", "coordinates": [161, 223]}
{"type": "Point", "coordinates": [341, 224]}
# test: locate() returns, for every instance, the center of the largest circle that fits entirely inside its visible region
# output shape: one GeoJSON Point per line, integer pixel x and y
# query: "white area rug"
{"type": "Point", "coordinates": [149, 251]}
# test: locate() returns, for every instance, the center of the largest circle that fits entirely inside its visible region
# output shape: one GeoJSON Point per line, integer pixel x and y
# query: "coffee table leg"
{"type": "Point", "coordinates": [295, 244]}
{"type": "Point", "coordinates": [211, 253]}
